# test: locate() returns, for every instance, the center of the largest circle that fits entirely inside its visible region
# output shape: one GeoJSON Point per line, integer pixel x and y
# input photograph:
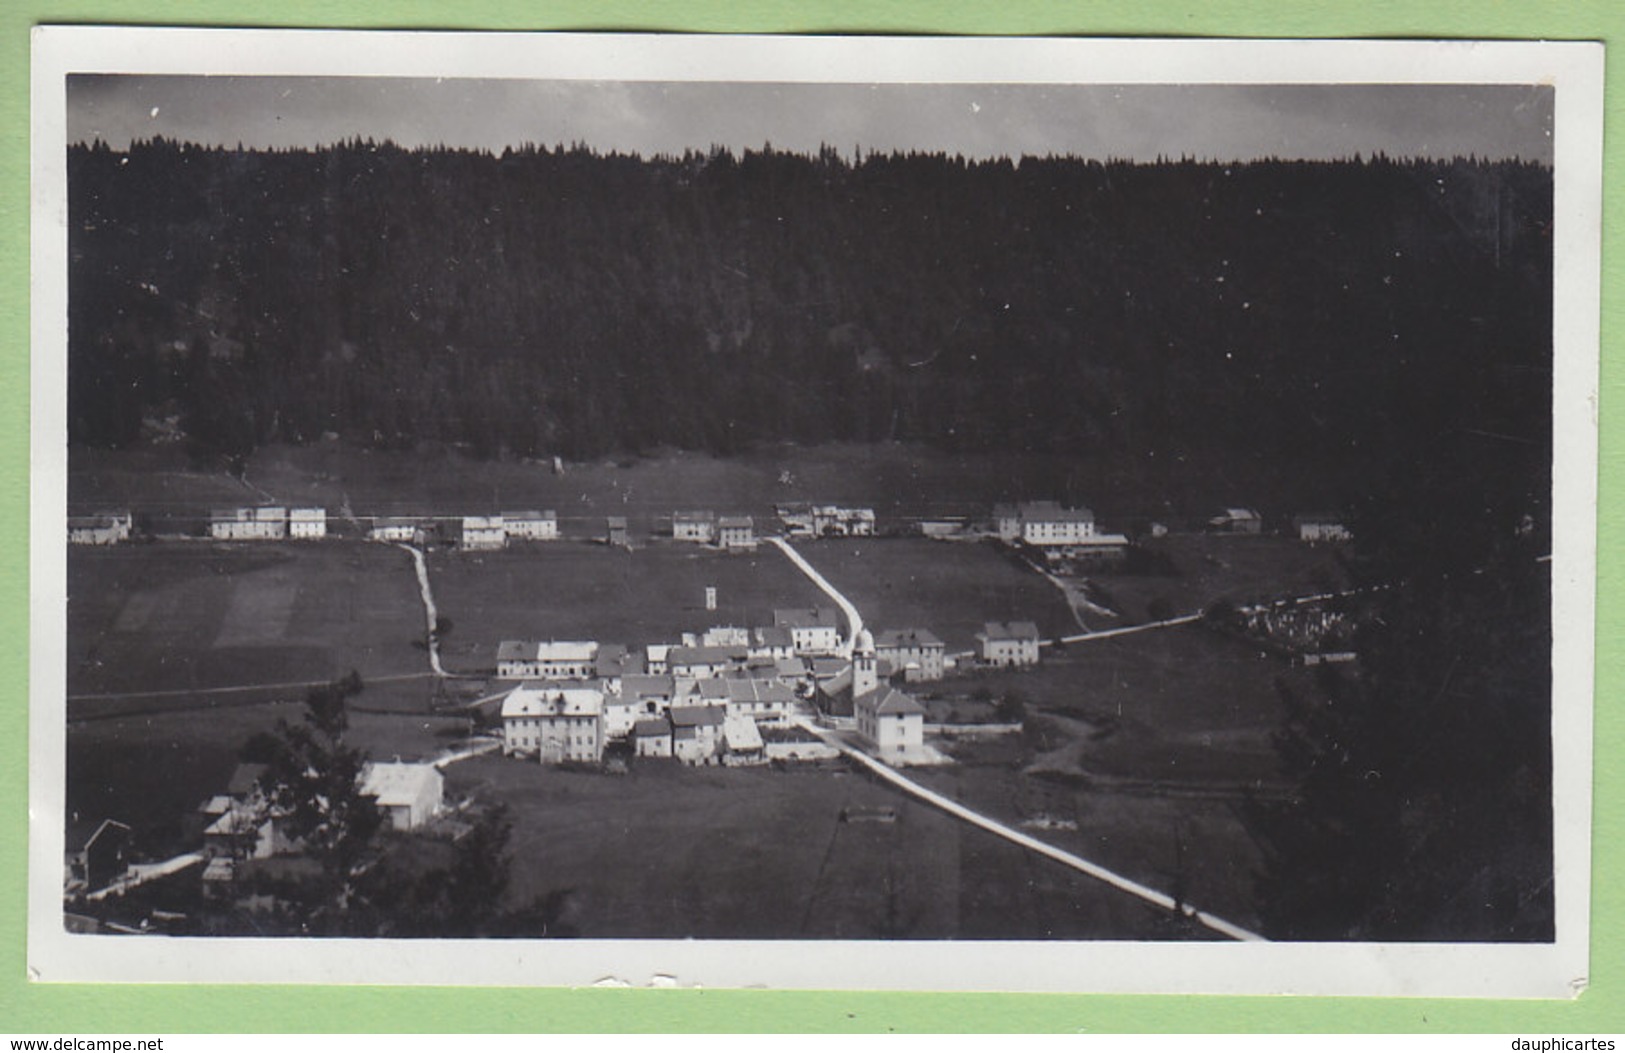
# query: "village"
{"type": "Point", "coordinates": [808, 685]}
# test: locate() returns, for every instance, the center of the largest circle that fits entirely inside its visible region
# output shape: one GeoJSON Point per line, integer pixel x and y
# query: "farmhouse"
{"type": "Point", "coordinates": [554, 722]}
{"type": "Point", "coordinates": [95, 530]}
{"type": "Point", "coordinates": [1321, 527]}
{"type": "Point", "coordinates": [484, 533]}
{"type": "Point", "coordinates": [249, 524]}
{"type": "Point", "coordinates": [615, 532]}
{"type": "Point", "coordinates": [1012, 644]}
{"type": "Point", "coordinates": [696, 733]}
{"type": "Point", "coordinates": [736, 532]}
{"type": "Point", "coordinates": [656, 657]}
{"type": "Point", "coordinates": [813, 630]}
{"type": "Point", "coordinates": [720, 636]}
{"type": "Point", "coordinates": [531, 526]}
{"type": "Point", "coordinates": [796, 520]}
{"type": "Point", "coordinates": [917, 652]}
{"type": "Point", "coordinates": [307, 523]}
{"type": "Point", "coordinates": [553, 660]}
{"type": "Point", "coordinates": [242, 823]}
{"type": "Point", "coordinates": [393, 528]}
{"type": "Point", "coordinates": [694, 526]}
{"type": "Point", "coordinates": [1237, 521]}
{"type": "Point", "coordinates": [408, 795]}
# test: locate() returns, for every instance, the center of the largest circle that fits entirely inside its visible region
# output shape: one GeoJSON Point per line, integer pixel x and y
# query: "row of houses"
{"type": "Point", "coordinates": [816, 521]}
{"type": "Point", "coordinates": [708, 528]}
{"type": "Point", "coordinates": [267, 523]}
{"type": "Point", "coordinates": [103, 528]}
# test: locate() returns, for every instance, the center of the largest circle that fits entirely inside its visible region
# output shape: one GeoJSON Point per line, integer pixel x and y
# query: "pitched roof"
{"type": "Point", "coordinates": [1009, 631]}
{"type": "Point", "coordinates": [641, 685]}
{"type": "Point", "coordinates": [540, 699]}
{"type": "Point", "coordinates": [704, 655]}
{"type": "Point", "coordinates": [806, 617]}
{"type": "Point", "coordinates": [772, 636]}
{"type": "Point", "coordinates": [653, 728]}
{"type": "Point", "coordinates": [399, 783]}
{"type": "Point", "coordinates": [735, 523]}
{"type": "Point", "coordinates": [908, 638]}
{"type": "Point", "coordinates": [888, 701]}
{"type": "Point", "coordinates": [696, 716]}
{"type": "Point", "coordinates": [244, 778]}
{"type": "Point", "coordinates": [741, 734]}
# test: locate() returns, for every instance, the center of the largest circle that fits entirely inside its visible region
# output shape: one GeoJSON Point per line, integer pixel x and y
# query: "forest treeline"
{"type": "Point", "coordinates": [559, 301]}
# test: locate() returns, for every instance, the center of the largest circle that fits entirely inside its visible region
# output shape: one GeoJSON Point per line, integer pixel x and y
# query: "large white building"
{"type": "Point", "coordinates": [393, 528]}
{"type": "Point", "coordinates": [483, 533]}
{"type": "Point", "coordinates": [551, 660]}
{"type": "Point", "coordinates": [249, 524]}
{"type": "Point", "coordinates": [307, 523]}
{"type": "Point", "coordinates": [1006, 644]}
{"type": "Point", "coordinates": [917, 652]}
{"type": "Point", "coordinates": [1043, 523]}
{"type": "Point", "coordinates": [531, 526]}
{"type": "Point", "coordinates": [694, 526]}
{"type": "Point", "coordinates": [813, 630]}
{"type": "Point", "coordinates": [554, 722]}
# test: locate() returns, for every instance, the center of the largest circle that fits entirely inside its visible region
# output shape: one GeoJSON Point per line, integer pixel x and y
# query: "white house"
{"type": "Point", "coordinates": [408, 795]}
{"type": "Point", "coordinates": [249, 524]}
{"type": "Point", "coordinates": [656, 658]}
{"type": "Point", "coordinates": [702, 663]}
{"type": "Point", "coordinates": [552, 660]}
{"type": "Point", "coordinates": [742, 742]}
{"type": "Point", "coordinates": [1007, 521]}
{"type": "Point", "coordinates": [393, 528]}
{"type": "Point", "coordinates": [554, 722]}
{"type": "Point", "coordinates": [484, 533]}
{"type": "Point", "coordinates": [772, 641]}
{"type": "Point", "coordinates": [307, 523]}
{"type": "Point", "coordinates": [694, 526]}
{"type": "Point", "coordinates": [1008, 644]}
{"type": "Point", "coordinates": [531, 526]}
{"type": "Point", "coordinates": [834, 521]}
{"type": "Point", "coordinates": [1047, 523]}
{"type": "Point", "coordinates": [813, 630]}
{"type": "Point", "coordinates": [1237, 521]}
{"type": "Point", "coordinates": [891, 720]}
{"type": "Point", "coordinates": [1321, 527]}
{"type": "Point", "coordinates": [764, 701]}
{"type": "Point", "coordinates": [917, 652]}
{"type": "Point", "coordinates": [696, 733]}
{"type": "Point", "coordinates": [652, 737]}
{"type": "Point", "coordinates": [94, 530]}
{"type": "Point", "coordinates": [736, 532]}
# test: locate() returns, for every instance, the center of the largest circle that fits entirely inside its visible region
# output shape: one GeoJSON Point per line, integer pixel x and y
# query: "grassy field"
{"type": "Point", "coordinates": [194, 615]}
{"type": "Point", "coordinates": [1194, 570]}
{"type": "Point", "coordinates": [950, 588]}
{"type": "Point", "coordinates": [671, 852]}
{"type": "Point", "coordinates": [577, 590]}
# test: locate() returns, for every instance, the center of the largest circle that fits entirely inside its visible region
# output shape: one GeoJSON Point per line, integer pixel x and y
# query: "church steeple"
{"type": "Point", "coordinates": [865, 671]}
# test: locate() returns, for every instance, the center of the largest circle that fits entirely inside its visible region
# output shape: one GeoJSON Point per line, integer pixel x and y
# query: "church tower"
{"type": "Point", "coordinates": [865, 672]}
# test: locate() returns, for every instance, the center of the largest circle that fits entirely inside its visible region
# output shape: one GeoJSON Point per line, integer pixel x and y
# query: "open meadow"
{"type": "Point", "coordinates": [951, 588]}
{"type": "Point", "coordinates": [191, 616]}
{"type": "Point", "coordinates": [571, 590]}
{"type": "Point", "coordinates": [818, 853]}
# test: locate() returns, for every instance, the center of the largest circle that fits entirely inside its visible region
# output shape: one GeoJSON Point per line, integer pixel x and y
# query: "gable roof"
{"type": "Point", "coordinates": [398, 783]}
{"type": "Point", "coordinates": [1009, 631]}
{"type": "Point", "coordinates": [806, 618]}
{"type": "Point", "coordinates": [908, 638]}
{"type": "Point", "coordinates": [696, 716]}
{"type": "Point", "coordinates": [888, 701]}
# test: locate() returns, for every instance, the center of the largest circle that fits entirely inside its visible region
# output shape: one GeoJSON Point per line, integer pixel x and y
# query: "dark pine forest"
{"type": "Point", "coordinates": [1380, 324]}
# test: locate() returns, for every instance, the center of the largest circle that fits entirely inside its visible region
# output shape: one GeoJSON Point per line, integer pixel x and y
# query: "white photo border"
{"type": "Point", "coordinates": [1554, 970]}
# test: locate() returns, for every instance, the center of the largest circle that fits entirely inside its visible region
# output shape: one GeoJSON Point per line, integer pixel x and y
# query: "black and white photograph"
{"type": "Point", "coordinates": [867, 513]}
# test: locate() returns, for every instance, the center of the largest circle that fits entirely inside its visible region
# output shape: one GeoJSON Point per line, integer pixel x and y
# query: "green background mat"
{"type": "Point", "coordinates": [47, 1009]}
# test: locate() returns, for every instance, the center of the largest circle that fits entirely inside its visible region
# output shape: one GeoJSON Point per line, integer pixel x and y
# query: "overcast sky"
{"type": "Point", "coordinates": [1136, 122]}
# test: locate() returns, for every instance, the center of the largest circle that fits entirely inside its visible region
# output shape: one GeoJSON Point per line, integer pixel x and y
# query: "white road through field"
{"type": "Point", "coordinates": [993, 826]}
{"type": "Point", "coordinates": [853, 618]}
